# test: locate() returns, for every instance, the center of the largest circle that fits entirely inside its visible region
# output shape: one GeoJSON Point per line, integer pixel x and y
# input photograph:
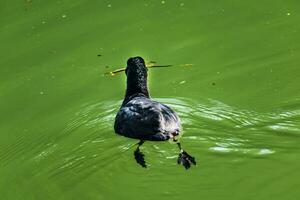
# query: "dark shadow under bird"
{"type": "Point", "coordinates": [144, 119]}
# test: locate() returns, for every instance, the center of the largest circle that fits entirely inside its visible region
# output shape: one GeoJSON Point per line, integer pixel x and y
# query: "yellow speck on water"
{"type": "Point", "coordinates": [288, 14]}
{"type": "Point", "coordinates": [181, 4]}
{"type": "Point", "coordinates": [163, 2]}
{"type": "Point", "coordinates": [182, 82]}
{"type": "Point", "coordinates": [109, 5]}
{"type": "Point", "coordinates": [64, 16]}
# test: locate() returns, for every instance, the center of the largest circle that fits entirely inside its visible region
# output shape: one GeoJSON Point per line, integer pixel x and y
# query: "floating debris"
{"type": "Point", "coordinates": [149, 64]}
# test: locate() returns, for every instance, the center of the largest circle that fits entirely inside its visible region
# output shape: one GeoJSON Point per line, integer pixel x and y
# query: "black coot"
{"type": "Point", "coordinates": [142, 118]}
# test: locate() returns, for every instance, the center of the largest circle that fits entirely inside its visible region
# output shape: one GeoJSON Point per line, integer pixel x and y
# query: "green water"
{"type": "Point", "coordinates": [239, 102]}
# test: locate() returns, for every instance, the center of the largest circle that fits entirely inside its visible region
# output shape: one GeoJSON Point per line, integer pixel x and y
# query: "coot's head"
{"type": "Point", "coordinates": [136, 67]}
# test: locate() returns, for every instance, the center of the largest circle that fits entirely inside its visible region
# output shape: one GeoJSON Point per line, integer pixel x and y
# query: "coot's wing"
{"type": "Point", "coordinates": [138, 118]}
{"type": "Point", "coordinates": [143, 118]}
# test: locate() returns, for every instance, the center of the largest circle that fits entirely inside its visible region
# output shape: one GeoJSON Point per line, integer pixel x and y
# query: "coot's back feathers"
{"type": "Point", "coordinates": [144, 119]}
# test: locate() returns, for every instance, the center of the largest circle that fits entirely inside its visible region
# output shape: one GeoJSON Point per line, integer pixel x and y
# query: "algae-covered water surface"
{"type": "Point", "coordinates": [234, 82]}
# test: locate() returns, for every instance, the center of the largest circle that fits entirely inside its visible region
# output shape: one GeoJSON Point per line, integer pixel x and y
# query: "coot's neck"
{"type": "Point", "coordinates": [136, 86]}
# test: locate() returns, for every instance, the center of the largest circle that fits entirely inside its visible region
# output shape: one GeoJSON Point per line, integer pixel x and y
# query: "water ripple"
{"type": "Point", "coordinates": [88, 142]}
{"type": "Point", "coordinates": [226, 129]}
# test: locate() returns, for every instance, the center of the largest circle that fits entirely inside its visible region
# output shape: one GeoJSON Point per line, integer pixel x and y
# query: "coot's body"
{"type": "Point", "coordinates": [142, 118]}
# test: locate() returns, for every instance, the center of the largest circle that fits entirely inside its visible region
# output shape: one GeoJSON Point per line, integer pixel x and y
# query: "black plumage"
{"type": "Point", "coordinates": [142, 118]}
